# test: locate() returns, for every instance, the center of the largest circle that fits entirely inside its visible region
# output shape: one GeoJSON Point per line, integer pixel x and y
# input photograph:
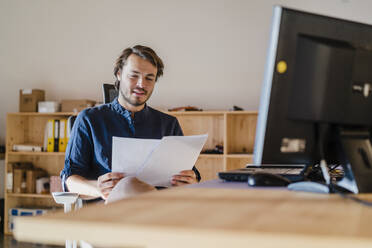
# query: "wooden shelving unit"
{"type": "Point", "coordinates": [233, 130]}
{"type": "Point", "coordinates": [38, 153]}
{"type": "Point", "coordinates": [30, 195]}
{"type": "Point", "coordinates": [28, 128]}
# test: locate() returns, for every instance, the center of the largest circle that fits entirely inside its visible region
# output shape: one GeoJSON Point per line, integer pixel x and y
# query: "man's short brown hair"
{"type": "Point", "coordinates": [144, 52]}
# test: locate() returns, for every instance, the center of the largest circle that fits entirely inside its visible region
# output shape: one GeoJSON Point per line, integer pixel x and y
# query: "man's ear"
{"type": "Point", "coordinates": [118, 75]}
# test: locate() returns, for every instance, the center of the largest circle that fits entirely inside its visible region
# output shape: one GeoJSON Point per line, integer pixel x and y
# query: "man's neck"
{"type": "Point", "coordinates": [129, 106]}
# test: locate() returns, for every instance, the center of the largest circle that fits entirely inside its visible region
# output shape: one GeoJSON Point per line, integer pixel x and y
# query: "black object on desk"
{"type": "Point", "coordinates": [318, 187]}
{"type": "Point", "coordinates": [262, 179]}
{"type": "Point", "coordinates": [293, 173]}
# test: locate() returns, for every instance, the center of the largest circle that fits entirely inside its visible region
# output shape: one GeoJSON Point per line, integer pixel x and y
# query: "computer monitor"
{"type": "Point", "coordinates": [109, 92]}
{"type": "Point", "coordinates": [316, 98]}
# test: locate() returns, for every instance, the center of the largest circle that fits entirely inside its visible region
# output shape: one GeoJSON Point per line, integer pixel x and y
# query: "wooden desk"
{"type": "Point", "coordinates": [204, 217]}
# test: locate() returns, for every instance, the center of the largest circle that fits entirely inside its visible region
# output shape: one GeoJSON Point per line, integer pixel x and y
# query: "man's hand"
{"type": "Point", "coordinates": [107, 182]}
{"type": "Point", "coordinates": [128, 187]}
{"type": "Point", "coordinates": [183, 178]}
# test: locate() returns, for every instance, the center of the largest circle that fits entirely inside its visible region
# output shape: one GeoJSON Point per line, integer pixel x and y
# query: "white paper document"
{"type": "Point", "coordinates": [156, 161]}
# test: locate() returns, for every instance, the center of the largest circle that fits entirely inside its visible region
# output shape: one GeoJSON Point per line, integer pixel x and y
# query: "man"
{"type": "Point", "coordinates": [87, 168]}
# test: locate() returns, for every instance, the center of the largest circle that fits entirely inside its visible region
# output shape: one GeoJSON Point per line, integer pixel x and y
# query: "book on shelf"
{"type": "Point", "coordinates": [50, 135]}
{"type": "Point", "coordinates": [56, 135]}
{"type": "Point", "coordinates": [62, 135]}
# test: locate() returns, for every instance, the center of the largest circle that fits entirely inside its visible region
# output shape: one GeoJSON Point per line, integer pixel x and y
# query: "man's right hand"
{"type": "Point", "coordinates": [107, 182]}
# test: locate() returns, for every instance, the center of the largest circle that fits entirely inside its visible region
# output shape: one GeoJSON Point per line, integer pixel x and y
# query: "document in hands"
{"type": "Point", "coordinates": [155, 161]}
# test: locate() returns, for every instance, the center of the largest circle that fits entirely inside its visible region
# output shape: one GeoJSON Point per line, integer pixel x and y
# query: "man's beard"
{"type": "Point", "coordinates": [135, 103]}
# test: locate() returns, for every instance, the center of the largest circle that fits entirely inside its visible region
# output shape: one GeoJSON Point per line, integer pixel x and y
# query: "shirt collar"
{"type": "Point", "coordinates": [140, 115]}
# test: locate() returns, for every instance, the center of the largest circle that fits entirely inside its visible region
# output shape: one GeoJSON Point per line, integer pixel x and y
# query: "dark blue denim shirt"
{"type": "Point", "coordinates": [89, 149]}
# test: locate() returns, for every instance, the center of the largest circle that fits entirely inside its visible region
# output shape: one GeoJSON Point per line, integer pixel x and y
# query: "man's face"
{"type": "Point", "coordinates": [137, 80]}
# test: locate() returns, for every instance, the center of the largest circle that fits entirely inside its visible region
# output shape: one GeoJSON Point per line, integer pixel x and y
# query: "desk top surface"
{"type": "Point", "coordinates": [211, 217]}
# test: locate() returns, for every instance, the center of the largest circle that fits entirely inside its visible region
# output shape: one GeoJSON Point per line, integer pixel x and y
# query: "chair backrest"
{"type": "Point", "coordinates": [109, 92]}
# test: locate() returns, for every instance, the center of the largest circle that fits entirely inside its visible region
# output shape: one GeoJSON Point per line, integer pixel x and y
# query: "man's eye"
{"type": "Point", "coordinates": [133, 76]}
{"type": "Point", "coordinates": [149, 79]}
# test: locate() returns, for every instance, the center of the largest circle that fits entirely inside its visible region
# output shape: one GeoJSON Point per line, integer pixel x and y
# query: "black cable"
{"type": "Point", "coordinates": [353, 198]}
{"type": "Point", "coordinates": [334, 167]}
{"type": "Point", "coordinates": [321, 131]}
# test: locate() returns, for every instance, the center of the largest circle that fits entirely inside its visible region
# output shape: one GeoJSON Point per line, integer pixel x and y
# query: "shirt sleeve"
{"type": "Point", "coordinates": [79, 150]}
{"type": "Point", "coordinates": [177, 130]}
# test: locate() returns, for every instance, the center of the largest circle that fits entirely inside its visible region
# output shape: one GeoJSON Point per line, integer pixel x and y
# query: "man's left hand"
{"type": "Point", "coordinates": [183, 178]}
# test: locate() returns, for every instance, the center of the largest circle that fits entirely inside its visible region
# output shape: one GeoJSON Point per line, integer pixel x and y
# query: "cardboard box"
{"type": "Point", "coordinates": [55, 184]}
{"type": "Point", "coordinates": [19, 176]}
{"type": "Point", "coordinates": [28, 99]}
{"type": "Point", "coordinates": [31, 176]}
{"type": "Point", "coordinates": [48, 107]}
{"type": "Point", "coordinates": [18, 180]}
{"type": "Point", "coordinates": [9, 182]}
{"type": "Point", "coordinates": [76, 105]}
{"type": "Point", "coordinates": [43, 185]}
{"type": "Point", "coordinates": [14, 212]}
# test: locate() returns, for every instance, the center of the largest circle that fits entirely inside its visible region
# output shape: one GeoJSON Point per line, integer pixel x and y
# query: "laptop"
{"type": "Point", "coordinates": [292, 172]}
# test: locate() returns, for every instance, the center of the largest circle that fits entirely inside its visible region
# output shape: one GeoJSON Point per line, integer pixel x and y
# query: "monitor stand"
{"type": "Point", "coordinates": [356, 159]}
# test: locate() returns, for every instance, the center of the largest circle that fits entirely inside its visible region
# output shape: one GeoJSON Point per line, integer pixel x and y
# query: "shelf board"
{"type": "Point", "coordinates": [244, 112]}
{"type": "Point", "coordinates": [43, 114]}
{"type": "Point", "coordinates": [28, 195]}
{"type": "Point", "coordinates": [239, 155]}
{"type": "Point", "coordinates": [207, 112]}
{"type": "Point", "coordinates": [194, 112]}
{"type": "Point", "coordinates": [203, 155]}
{"type": "Point", "coordinates": [210, 112]}
{"type": "Point", "coordinates": [37, 153]}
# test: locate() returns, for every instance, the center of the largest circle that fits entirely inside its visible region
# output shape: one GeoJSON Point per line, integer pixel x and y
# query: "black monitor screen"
{"type": "Point", "coordinates": [318, 74]}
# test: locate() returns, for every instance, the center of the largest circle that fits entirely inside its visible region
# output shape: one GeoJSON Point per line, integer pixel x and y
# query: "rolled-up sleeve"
{"type": "Point", "coordinates": [177, 130]}
{"type": "Point", "coordinates": [78, 155]}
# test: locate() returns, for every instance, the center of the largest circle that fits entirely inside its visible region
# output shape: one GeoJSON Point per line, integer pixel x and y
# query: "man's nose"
{"type": "Point", "coordinates": [140, 82]}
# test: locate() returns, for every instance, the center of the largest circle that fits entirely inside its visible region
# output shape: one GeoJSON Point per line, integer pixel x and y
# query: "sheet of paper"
{"type": "Point", "coordinates": [156, 161]}
{"type": "Point", "coordinates": [172, 155]}
{"type": "Point", "coordinates": [129, 154]}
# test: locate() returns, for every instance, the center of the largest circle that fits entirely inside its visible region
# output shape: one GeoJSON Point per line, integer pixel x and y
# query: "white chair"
{"type": "Point", "coordinates": [69, 200]}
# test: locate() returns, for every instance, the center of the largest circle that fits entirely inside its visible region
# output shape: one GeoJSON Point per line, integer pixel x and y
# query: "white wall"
{"type": "Point", "coordinates": [214, 50]}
